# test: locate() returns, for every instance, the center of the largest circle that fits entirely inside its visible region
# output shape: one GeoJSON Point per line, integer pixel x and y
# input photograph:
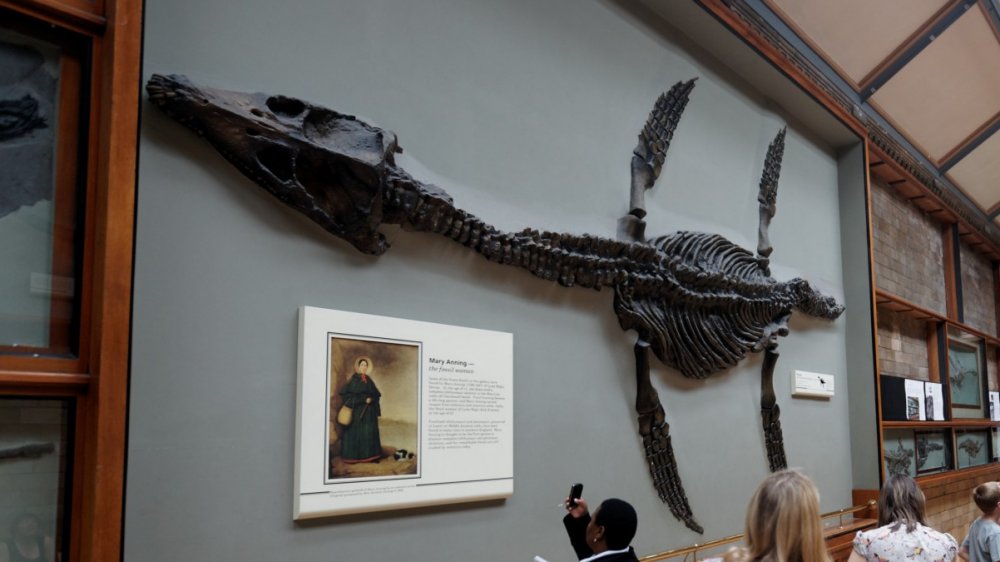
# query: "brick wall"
{"type": "Point", "coordinates": [902, 345]}
{"type": "Point", "coordinates": [908, 250]}
{"type": "Point", "coordinates": [949, 502]}
{"type": "Point", "coordinates": [978, 293]}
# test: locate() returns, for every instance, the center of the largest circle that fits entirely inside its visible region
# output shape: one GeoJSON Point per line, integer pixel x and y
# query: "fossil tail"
{"type": "Point", "coordinates": [568, 259]}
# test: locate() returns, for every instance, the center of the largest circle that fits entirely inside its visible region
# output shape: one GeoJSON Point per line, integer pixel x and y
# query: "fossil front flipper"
{"type": "Point", "coordinates": [650, 152]}
{"type": "Point", "coordinates": [655, 432]}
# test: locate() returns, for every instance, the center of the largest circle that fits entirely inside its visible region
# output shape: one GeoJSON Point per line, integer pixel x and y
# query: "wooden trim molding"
{"type": "Point", "coordinates": [951, 278]}
{"type": "Point", "coordinates": [97, 378]}
{"type": "Point", "coordinates": [36, 382]}
{"type": "Point", "coordinates": [866, 497]}
{"type": "Point", "coordinates": [74, 16]}
{"type": "Point", "coordinates": [996, 294]}
{"type": "Point", "coordinates": [116, 113]}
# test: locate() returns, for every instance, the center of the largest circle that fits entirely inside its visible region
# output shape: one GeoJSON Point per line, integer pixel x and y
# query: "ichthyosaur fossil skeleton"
{"type": "Point", "coordinates": [699, 302]}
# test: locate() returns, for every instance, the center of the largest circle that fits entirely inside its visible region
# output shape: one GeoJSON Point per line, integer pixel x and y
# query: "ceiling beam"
{"type": "Point", "coordinates": [993, 9]}
{"type": "Point", "coordinates": [917, 45]}
{"type": "Point", "coordinates": [978, 137]}
{"type": "Point", "coordinates": [994, 211]}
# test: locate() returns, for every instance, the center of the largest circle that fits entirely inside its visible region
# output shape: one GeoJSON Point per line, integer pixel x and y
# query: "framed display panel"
{"type": "Point", "coordinates": [932, 451]}
{"type": "Point", "coordinates": [397, 413]}
{"type": "Point", "coordinates": [42, 153]}
{"type": "Point", "coordinates": [81, 287]}
{"type": "Point", "coordinates": [35, 463]}
{"type": "Point", "coordinates": [899, 452]}
{"type": "Point", "coordinates": [972, 447]}
{"type": "Point", "coordinates": [966, 376]}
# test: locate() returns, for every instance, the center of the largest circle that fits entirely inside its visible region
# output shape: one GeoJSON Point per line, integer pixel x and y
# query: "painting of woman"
{"type": "Point", "coordinates": [361, 442]}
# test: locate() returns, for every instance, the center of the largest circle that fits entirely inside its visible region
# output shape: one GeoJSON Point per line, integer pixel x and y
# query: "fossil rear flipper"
{"type": "Point", "coordinates": [655, 433]}
{"type": "Point", "coordinates": [663, 467]}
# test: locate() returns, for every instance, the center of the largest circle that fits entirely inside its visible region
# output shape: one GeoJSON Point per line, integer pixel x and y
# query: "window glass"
{"type": "Point", "coordinates": [34, 445]}
{"type": "Point", "coordinates": [40, 97]}
{"type": "Point", "coordinates": [966, 374]}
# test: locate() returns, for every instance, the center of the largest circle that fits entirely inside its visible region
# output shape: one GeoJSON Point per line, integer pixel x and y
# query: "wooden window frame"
{"type": "Point", "coordinates": [97, 380]}
{"type": "Point", "coordinates": [68, 345]}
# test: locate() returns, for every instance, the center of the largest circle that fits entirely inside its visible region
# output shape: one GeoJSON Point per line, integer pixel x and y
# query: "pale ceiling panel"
{"type": "Point", "coordinates": [978, 174]}
{"type": "Point", "coordinates": [944, 94]}
{"type": "Point", "coordinates": [856, 35]}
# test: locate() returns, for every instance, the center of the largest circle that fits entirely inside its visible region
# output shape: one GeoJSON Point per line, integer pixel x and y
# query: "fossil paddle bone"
{"type": "Point", "coordinates": [698, 301]}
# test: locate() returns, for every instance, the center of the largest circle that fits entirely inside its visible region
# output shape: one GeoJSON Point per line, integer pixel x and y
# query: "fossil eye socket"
{"type": "Point", "coordinates": [287, 107]}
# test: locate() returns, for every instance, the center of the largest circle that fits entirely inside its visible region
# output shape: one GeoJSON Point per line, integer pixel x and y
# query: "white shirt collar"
{"type": "Point", "coordinates": [603, 554]}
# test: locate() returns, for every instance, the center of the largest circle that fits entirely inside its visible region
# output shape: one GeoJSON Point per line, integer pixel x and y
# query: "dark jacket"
{"type": "Point", "coordinates": [577, 531]}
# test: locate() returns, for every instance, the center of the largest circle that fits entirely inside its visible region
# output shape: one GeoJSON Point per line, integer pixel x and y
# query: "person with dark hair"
{"type": "Point", "coordinates": [606, 535]}
{"type": "Point", "coordinates": [982, 544]}
{"type": "Point", "coordinates": [901, 533]}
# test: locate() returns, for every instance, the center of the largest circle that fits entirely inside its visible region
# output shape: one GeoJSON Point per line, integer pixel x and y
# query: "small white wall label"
{"type": "Point", "coordinates": [812, 385]}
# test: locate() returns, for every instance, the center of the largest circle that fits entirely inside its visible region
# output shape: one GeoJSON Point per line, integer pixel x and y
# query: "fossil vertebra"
{"type": "Point", "coordinates": [698, 301]}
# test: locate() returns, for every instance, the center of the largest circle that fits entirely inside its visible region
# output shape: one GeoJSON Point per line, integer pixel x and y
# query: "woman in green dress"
{"type": "Point", "coordinates": [361, 442]}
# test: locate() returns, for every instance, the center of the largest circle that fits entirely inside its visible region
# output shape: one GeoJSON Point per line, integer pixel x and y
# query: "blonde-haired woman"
{"type": "Point", "coordinates": [783, 523]}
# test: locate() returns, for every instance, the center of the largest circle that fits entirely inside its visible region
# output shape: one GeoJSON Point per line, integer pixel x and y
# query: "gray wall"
{"type": "Point", "coordinates": [858, 318]}
{"type": "Point", "coordinates": [526, 112]}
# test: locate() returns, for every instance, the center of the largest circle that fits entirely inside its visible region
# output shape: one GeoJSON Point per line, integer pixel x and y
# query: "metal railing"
{"type": "Point", "coordinates": [701, 547]}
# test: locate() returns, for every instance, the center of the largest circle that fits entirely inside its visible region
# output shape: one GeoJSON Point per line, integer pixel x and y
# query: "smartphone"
{"type": "Point", "coordinates": [574, 494]}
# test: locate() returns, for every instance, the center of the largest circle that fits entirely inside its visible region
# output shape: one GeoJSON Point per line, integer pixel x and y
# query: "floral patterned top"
{"type": "Point", "coordinates": [922, 545]}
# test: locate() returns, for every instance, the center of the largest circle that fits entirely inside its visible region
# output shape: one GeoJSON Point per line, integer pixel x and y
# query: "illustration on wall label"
{"type": "Point", "coordinates": [374, 426]}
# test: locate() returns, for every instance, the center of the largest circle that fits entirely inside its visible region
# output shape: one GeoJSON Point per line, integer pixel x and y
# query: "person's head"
{"type": "Point", "coordinates": [612, 526]}
{"type": "Point", "coordinates": [987, 496]}
{"type": "Point", "coordinates": [901, 502]}
{"type": "Point", "coordinates": [363, 365]}
{"type": "Point", "coordinates": [26, 525]}
{"type": "Point", "coordinates": [783, 522]}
